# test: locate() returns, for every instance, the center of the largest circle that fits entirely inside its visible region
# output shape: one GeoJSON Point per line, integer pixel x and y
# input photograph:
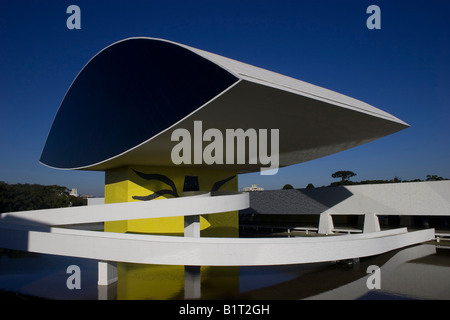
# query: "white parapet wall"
{"type": "Point", "coordinates": [431, 198]}
{"type": "Point", "coordinates": [171, 250]}
{"type": "Point", "coordinates": [183, 206]}
{"type": "Point", "coordinates": [32, 231]}
{"type": "Point", "coordinates": [95, 201]}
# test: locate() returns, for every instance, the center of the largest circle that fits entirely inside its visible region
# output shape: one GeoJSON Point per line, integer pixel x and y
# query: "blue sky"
{"type": "Point", "coordinates": [403, 68]}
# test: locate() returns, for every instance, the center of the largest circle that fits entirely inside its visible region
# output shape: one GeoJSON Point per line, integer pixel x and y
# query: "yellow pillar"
{"type": "Point", "coordinates": [143, 183]}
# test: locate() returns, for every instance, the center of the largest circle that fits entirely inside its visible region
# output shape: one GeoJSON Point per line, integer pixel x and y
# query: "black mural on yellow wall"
{"type": "Point", "coordinates": [173, 189]}
{"type": "Point", "coordinates": [154, 176]}
{"type": "Point", "coordinates": [218, 184]}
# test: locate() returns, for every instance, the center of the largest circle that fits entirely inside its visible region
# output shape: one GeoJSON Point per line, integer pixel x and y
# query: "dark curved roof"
{"type": "Point", "coordinates": [311, 201]}
{"type": "Point", "coordinates": [124, 104]}
{"type": "Point", "coordinates": [127, 94]}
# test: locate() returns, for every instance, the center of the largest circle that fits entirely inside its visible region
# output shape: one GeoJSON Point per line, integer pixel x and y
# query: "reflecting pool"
{"type": "Point", "coordinates": [416, 272]}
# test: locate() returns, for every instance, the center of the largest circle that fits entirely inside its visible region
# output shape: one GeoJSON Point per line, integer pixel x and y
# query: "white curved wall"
{"type": "Point", "coordinates": [171, 250]}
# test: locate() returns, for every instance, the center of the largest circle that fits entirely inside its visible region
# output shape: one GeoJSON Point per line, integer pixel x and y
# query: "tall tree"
{"type": "Point", "coordinates": [345, 175]}
{"type": "Point", "coordinates": [433, 178]}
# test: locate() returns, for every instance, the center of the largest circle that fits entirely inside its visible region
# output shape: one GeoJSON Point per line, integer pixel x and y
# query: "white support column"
{"type": "Point", "coordinates": [107, 273]}
{"type": "Point", "coordinates": [192, 223]}
{"type": "Point", "coordinates": [192, 226]}
{"type": "Point", "coordinates": [371, 223]}
{"type": "Point", "coordinates": [107, 292]}
{"type": "Point", "coordinates": [325, 224]}
{"type": "Point", "coordinates": [192, 275]}
{"type": "Point", "coordinates": [192, 282]}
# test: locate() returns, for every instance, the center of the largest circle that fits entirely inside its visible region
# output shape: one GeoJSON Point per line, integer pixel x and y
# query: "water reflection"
{"type": "Point", "coordinates": [45, 275]}
{"type": "Point", "coordinates": [417, 272]}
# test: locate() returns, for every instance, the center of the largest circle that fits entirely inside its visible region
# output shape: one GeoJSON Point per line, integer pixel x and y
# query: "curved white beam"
{"type": "Point", "coordinates": [183, 206]}
{"type": "Point", "coordinates": [18, 232]}
{"type": "Point", "coordinates": [171, 250]}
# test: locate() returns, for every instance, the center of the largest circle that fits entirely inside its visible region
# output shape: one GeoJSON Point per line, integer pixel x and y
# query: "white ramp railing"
{"type": "Point", "coordinates": [32, 231]}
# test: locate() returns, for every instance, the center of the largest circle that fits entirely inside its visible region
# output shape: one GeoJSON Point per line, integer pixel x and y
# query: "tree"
{"type": "Point", "coordinates": [287, 186]}
{"type": "Point", "coordinates": [433, 178]}
{"type": "Point", "coordinates": [397, 179]}
{"type": "Point", "coordinates": [21, 197]}
{"type": "Point", "coordinates": [344, 175]}
{"type": "Point", "coordinates": [310, 186]}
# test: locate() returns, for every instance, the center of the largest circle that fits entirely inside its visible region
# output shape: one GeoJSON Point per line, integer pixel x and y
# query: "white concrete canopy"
{"type": "Point", "coordinates": [135, 126]}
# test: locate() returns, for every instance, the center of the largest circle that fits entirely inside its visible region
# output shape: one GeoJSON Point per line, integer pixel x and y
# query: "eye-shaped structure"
{"type": "Point", "coordinates": [125, 103]}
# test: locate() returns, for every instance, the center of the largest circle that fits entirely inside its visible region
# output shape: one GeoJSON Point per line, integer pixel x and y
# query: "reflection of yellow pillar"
{"type": "Point", "coordinates": [141, 183]}
{"type": "Point", "coordinates": [219, 282]}
{"type": "Point", "coordinates": [142, 282]}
